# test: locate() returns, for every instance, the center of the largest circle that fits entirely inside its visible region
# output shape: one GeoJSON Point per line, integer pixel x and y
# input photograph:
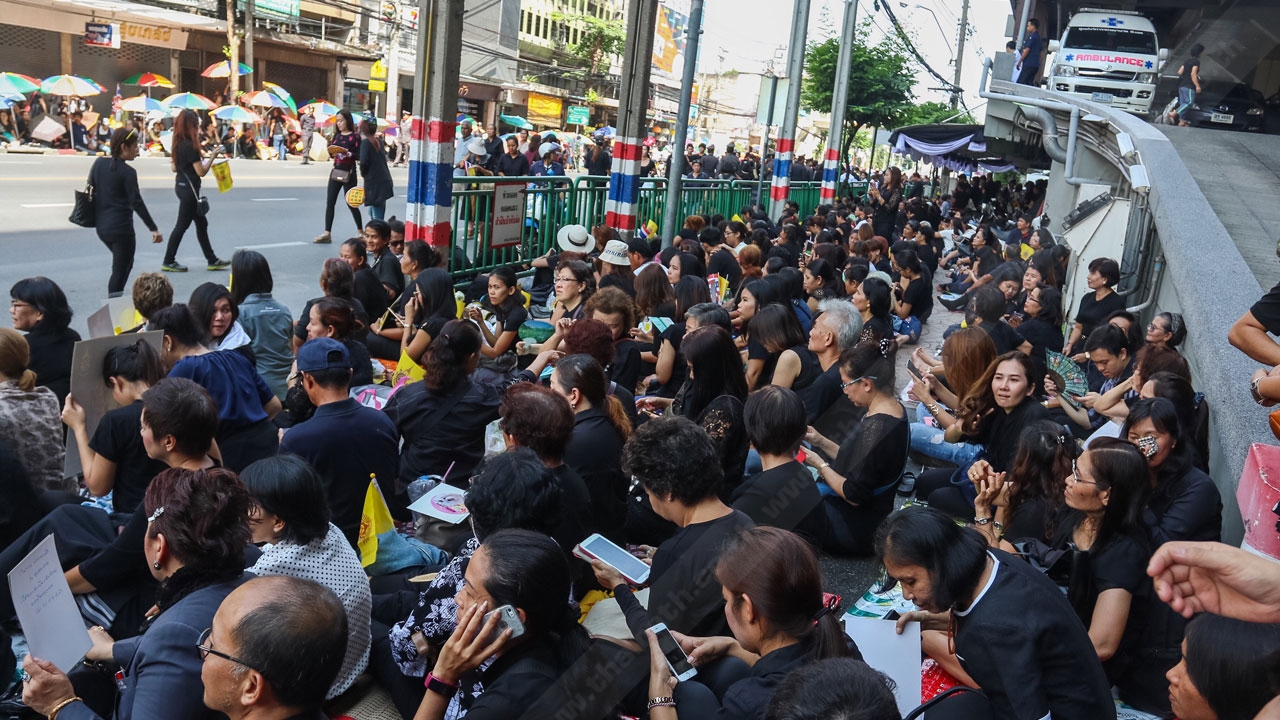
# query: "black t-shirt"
{"type": "Point", "coordinates": [370, 294]}
{"type": "Point", "coordinates": [1184, 80]}
{"type": "Point", "coordinates": [624, 281]}
{"type": "Point", "coordinates": [626, 365]}
{"type": "Point", "coordinates": [595, 453]}
{"type": "Point", "coordinates": [784, 497]}
{"type": "Point", "coordinates": [185, 156]}
{"type": "Point", "coordinates": [434, 437]}
{"type": "Point", "coordinates": [820, 394]}
{"type": "Point", "coordinates": [870, 461]}
{"type": "Point", "coordinates": [1042, 335]}
{"type": "Point", "coordinates": [117, 439]}
{"type": "Point", "coordinates": [1267, 310]}
{"type": "Point", "coordinates": [1023, 644]}
{"type": "Point", "coordinates": [725, 264]}
{"type": "Point", "coordinates": [673, 334]}
{"type": "Point", "coordinates": [920, 297]}
{"type": "Point", "coordinates": [928, 259]}
{"type": "Point", "coordinates": [511, 317]}
{"type": "Point", "coordinates": [1000, 432]}
{"type": "Point", "coordinates": [1094, 312]}
{"type": "Point", "coordinates": [1004, 337]}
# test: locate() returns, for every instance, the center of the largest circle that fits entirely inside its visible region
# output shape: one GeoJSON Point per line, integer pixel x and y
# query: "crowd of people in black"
{"type": "Point", "coordinates": [727, 409]}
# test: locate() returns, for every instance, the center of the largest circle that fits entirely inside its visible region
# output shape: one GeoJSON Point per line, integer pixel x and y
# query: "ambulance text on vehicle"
{"type": "Point", "coordinates": [1112, 57]}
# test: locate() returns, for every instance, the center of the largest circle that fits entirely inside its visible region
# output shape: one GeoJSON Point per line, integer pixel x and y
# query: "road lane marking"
{"type": "Point", "coordinates": [270, 245]}
{"type": "Point", "coordinates": [271, 199]}
{"type": "Point", "coordinates": [48, 205]}
{"type": "Point", "coordinates": [18, 162]}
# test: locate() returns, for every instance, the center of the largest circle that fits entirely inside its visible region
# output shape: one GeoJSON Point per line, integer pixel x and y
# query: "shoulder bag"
{"type": "Point", "coordinates": [85, 212]}
{"type": "Point", "coordinates": [202, 202]}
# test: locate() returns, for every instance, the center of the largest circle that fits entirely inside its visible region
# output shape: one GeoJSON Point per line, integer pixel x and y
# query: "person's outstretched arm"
{"type": "Point", "coordinates": [1217, 578]}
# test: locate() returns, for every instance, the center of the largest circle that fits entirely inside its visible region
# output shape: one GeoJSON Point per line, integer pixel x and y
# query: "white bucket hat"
{"type": "Point", "coordinates": [476, 147]}
{"type": "Point", "coordinates": [615, 253]}
{"type": "Point", "coordinates": [574, 238]}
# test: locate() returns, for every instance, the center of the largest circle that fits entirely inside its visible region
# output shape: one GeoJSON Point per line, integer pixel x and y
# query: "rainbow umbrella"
{"type": "Point", "coordinates": [223, 69]}
{"type": "Point", "coordinates": [12, 83]}
{"type": "Point", "coordinates": [283, 94]}
{"type": "Point", "coordinates": [70, 85]}
{"type": "Point", "coordinates": [323, 108]}
{"type": "Point", "coordinates": [235, 113]}
{"type": "Point", "coordinates": [265, 99]}
{"type": "Point", "coordinates": [142, 103]}
{"type": "Point", "coordinates": [189, 101]}
{"type": "Point", "coordinates": [149, 80]}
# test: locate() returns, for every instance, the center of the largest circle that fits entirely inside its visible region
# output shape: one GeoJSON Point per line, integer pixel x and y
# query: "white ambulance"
{"type": "Point", "coordinates": [1111, 57]}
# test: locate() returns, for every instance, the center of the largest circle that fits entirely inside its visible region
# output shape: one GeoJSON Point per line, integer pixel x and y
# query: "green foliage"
{"type": "Point", "coordinates": [598, 40]}
{"type": "Point", "coordinates": [934, 112]}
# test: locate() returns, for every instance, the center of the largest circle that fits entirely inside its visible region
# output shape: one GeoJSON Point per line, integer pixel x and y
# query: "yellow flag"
{"type": "Point", "coordinates": [222, 173]}
{"type": "Point", "coordinates": [375, 520]}
{"type": "Point", "coordinates": [736, 217]}
{"type": "Point", "coordinates": [651, 227]}
{"type": "Point", "coordinates": [407, 367]}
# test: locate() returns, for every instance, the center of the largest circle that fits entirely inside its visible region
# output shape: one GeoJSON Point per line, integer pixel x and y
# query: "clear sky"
{"type": "Point", "coordinates": [748, 33]}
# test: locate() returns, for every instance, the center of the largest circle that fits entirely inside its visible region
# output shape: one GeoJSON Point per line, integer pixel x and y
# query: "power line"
{"type": "Point", "coordinates": [959, 91]}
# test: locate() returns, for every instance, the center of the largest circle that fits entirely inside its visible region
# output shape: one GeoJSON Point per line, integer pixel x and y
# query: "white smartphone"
{"type": "Point", "coordinates": [599, 547]}
{"type": "Point", "coordinates": [676, 659]}
{"type": "Point", "coordinates": [507, 618]}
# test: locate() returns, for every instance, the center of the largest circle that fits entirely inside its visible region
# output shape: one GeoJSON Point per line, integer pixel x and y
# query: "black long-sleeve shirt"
{"type": "Point", "coordinates": [116, 198]}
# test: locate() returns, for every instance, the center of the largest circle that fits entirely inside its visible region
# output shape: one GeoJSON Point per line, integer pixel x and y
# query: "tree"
{"type": "Point", "coordinates": [934, 112]}
{"type": "Point", "coordinates": [598, 40]}
{"type": "Point", "coordinates": [880, 83]}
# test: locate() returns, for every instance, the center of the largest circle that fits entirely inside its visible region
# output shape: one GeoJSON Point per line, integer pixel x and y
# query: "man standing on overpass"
{"type": "Point", "coordinates": [1029, 61]}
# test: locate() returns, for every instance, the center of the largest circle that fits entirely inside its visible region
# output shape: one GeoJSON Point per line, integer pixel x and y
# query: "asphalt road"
{"type": "Point", "coordinates": [275, 208]}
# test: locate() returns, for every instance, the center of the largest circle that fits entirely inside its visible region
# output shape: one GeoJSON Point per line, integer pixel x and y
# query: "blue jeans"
{"type": "Point", "coordinates": [377, 212]}
{"type": "Point", "coordinates": [281, 149]}
{"type": "Point", "coordinates": [930, 441]}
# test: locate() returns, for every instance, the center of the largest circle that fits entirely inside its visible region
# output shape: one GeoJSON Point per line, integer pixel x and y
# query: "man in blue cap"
{"type": "Point", "coordinates": [344, 441]}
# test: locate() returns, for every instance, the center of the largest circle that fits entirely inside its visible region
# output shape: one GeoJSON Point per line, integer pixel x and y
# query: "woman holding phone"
{"type": "Point", "coordinates": [189, 165]}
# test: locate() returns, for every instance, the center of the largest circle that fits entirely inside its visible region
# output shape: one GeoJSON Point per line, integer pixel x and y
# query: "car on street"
{"type": "Point", "coordinates": [1235, 107]}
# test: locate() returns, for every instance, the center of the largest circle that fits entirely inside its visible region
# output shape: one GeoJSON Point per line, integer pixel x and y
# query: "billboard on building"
{"type": "Point", "coordinates": [668, 42]}
{"type": "Point", "coordinates": [544, 109]}
{"type": "Point", "coordinates": [102, 35]}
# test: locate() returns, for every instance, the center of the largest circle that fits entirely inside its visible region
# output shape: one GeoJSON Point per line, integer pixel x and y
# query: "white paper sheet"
{"type": "Point", "coordinates": [443, 502]}
{"type": "Point", "coordinates": [50, 620]}
{"type": "Point", "coordinates": [897, 656]}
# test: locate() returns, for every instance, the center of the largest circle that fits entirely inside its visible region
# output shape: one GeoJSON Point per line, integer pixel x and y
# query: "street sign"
{"type": "Point", "coordinates": [508, 214]}
{"type": "Point", "coordinates": [779, 99]}
{"type": "Point", "coordinates": [378, 70]}
{"type": "Point", "coordinates": [102, 35]}
{"type": "Point", "coordinates": [578, 115]}
{"type": "Point", "coordinates": [377, 86]}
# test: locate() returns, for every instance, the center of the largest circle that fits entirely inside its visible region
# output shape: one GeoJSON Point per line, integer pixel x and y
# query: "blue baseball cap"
{"type": "Point", "coordinates": [323, 354]}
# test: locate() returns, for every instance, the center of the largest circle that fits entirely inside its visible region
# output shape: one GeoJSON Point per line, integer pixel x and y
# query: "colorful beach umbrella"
{"type": "Point", "coordinates": [189, 101]}
{"type": "Point", "coordinates": [69, 85]}
{"type": "Point", "coordinates": [516, 121]}
{"type": "Point", "coordinates": [262, 98]}
{"type": "Point", "coordinates": [223, 69]}
{"type": "Point", "coordinates": [323, 108]}
{"type": "Point", "coordinates": [235, 113]}
{"type": "Point", "coordinates": [12, 83]}
{"type": "Point", "coordinates": [148, 79]}
{"type": "Point", "coordinates": [143, 103]}
{"type": "Point", "coordinates": [282, 94]}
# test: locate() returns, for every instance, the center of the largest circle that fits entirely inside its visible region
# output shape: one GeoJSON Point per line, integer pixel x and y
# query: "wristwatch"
{"type": "Point", "coordinates": [440, 687]}
{"type": "Point", "coordinates": [982, 521]}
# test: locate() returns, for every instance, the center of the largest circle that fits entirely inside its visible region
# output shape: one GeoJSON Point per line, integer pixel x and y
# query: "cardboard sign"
{"type": "Point", "coordinates": [443, 502]}
{"type": "Point", "coordinates": [46, 609]}
{"type": "Point", "coordinates": [897, 656]}
{"type": "Point", "coordinates": [88, 389]}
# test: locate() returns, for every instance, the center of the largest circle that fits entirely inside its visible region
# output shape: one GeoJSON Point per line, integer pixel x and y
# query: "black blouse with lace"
{"type": "Point", "coordinates": [723, 420]}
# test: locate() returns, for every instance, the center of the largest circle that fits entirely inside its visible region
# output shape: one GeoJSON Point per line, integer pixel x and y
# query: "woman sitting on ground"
{"type": "Point", "coordinates": [616, 310]}
{"type": "Point", "coordinates": [1183, 501]}
{"type": "Point", "coordinates": [506, 302]}
{"type": "Point", "coordinates": [289, 520]}
{"type": "Point", "coordinates": [195, 538]}
{"type": "Point", "coordinates": [864, 470]}
{"type": "Point", "coordinates": [1024, 501]}
{"type": "Point", "coordinates": [1167, 329]}
{"type": "Point", "coordinates": [267, 322]}
{"type": "Point", "coordinates": [363, 285]}
{"type": "Point", "coordinates": [966, 355]}
{"type": "Point", "coordinates": [114, 460]}
{"type": "Point", "coordinates": [245, 403]}
{"type": "Point", "coordinates": [336, 282]}
{"type": "Point", "coordinates": [575, 283]}
{"type": "Point", "coordinates": [790, 364]}
{"type": "Point", "coordinates": [1227, 669]}
{"type": "Point", "coordinates": [386, 339]}
{"type": "Point", "coordinates": [39, 308]}
{"type": "Point", "coordinates": [875, 301]}
{"type": "Point", "coordinates": [836, 688]}
{"type": "Point", "coordinates": [218, 317]}
{"type": "Point", "coordinates": [670, 370]}
{"type": "Point", "coordinates": [991, 617]}
{"type": "Point", "coordinates": [30, 424]}
{"type": "Point", "coordinates": [820, 282]}
{"type": "Point", "coordinates": [772, 587]}
{"type": "Point", "coordinates": [432, 305]}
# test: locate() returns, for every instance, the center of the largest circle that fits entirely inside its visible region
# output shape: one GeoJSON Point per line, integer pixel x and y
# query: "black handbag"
{"type": "Point", "coordinates": [202, 202]}
{"type": "Point", "coordinates": [85, 213]}
{"type": "Point", "coordinates": [340, 175]}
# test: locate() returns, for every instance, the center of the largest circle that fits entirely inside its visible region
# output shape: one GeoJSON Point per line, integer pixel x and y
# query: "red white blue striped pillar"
{"type": "Point", "coordinates": [780, 187]}
{"type": "Point", "coordinates": [830, 176]}
{"type": "Point", "coordinates": [624, 186]}
{"type": "Point", "coordinates": [430, 182]}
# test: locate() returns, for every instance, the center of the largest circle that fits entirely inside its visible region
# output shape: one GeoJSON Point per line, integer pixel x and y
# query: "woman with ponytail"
{"type": "Point", "coordinates": [859, 475]}
{"type": "Point", "coordinates": [442, 418]}
{"type": "Point", "coordinates": [600, 428]}
{"type": "Point", "coordinates": [772, 587]}
{"type": "Point", "coordinates": [114, 459]}
{"type": "Point", "coordinates": [29, 421]}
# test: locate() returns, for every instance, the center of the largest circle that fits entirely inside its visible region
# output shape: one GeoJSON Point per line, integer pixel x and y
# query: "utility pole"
{"type": "Point", "coordinates": [633, 110]}
{"type": "Point", "coordinates": [764, 140]}
{"type": "Point", "coordinates": [233, 44]}
{"type": "Point", "coordinates": [393, 69]}
{"type": "Point", "coordinates": [781, 186]}
{"type": "Point", "coordinates": [248, 35]}
{"type": "Point", "coordinates": [435, 108]}
{"type": "Point", "coordinates": [964, 30]}
{"type": "Point", "coordinates": [832, 162]}
{"type": "Point", "coordinates": [675, 168]}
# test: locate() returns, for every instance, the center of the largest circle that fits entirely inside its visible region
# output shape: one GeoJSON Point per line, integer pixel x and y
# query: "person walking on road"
{"type": "Point", "coordinates": [373, 168]}
{"type": "Point", "coordinates": [116, 199]}
{"type": "Point", "coordinates": [189, 165]}
{"type": "Point", "coordinates": [1188, 84]}
{"type": "Point", "coordinates": [344, 148]}
{"type": "Point", "coordinates": [279, 134]}
{"type": "Point", "coordinates": [403, 136]}
{"type": "Point", "coordinates": [1029, 61]}
{"type": "Point", "coordinates": [307, 123]}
